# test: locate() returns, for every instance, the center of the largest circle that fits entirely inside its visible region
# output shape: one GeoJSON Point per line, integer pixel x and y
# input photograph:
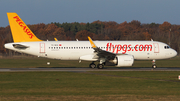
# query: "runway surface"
{"type": "Point", "coordinates": [74, 69]}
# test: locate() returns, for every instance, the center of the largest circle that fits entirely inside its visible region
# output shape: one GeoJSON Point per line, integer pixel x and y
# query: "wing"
{"type": "Point", "coordinates": [102, 53]}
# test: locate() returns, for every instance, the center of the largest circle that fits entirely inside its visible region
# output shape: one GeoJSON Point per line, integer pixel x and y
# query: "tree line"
{"type": "Point", "coordinates": [99, 30]}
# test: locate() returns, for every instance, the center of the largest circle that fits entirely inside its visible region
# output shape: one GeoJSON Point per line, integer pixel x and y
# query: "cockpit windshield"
{"type": "Point", "coordinates": [166, 47]}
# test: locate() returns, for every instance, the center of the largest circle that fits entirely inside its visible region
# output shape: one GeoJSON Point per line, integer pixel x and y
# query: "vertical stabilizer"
{"type": "Point", "coordinates": [20, 31]}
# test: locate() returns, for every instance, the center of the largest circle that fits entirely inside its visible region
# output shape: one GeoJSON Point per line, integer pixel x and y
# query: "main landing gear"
{"type": "Point", "coordinates": [92, 65]}
{"type": "Point", "coordinates": [99, 66]}
{"type": "Point", "coordinates": [154, 64]}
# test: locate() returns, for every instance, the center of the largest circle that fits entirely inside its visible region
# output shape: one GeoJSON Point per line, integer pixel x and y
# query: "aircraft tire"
{"type": "Point", "coordinates": [100, 66]}
{"type": "Point", "coordinates": [92, 65]}
{"type": "Point", "coordinates": [154, 66]}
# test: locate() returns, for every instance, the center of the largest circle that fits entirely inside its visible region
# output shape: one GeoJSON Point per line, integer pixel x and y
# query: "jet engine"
{"type": "Point", "coordinates": [121, 60]}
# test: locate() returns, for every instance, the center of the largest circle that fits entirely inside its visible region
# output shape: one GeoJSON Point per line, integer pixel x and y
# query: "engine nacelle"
{"type": "Point", "coordinates": [122, 60]}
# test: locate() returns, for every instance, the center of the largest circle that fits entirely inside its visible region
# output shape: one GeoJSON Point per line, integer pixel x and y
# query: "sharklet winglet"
{"type": "Point", "coordinates": [92, 43]}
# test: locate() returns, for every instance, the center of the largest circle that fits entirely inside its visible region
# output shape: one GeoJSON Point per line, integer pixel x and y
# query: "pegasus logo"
{"type": "Point", "coordinates": [25, 28]}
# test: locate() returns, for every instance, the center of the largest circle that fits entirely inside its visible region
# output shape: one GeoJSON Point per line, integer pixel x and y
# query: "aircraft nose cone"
{"type": "Point", "coordinates": [175, 53]}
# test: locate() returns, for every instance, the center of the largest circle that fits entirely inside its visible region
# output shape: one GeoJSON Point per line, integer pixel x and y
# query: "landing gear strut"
{"type": "Point", "coordinates": [154, 64]}
{"type": "Point", "coordinates": [101, 63]}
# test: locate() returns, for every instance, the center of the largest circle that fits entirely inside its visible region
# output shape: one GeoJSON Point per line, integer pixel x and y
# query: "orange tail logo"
{"type": "Point", "coordinates": [26, 30]}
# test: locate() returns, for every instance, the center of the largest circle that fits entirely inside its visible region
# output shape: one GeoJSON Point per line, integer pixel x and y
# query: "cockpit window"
{"type": "Point", "coordinates": [166, 47]}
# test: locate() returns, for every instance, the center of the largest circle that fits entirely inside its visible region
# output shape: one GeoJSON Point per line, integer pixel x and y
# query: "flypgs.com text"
{"type": "Point", "coordinates": [118, 47]}
{"type": "Point", "coordinates": [26, 30]}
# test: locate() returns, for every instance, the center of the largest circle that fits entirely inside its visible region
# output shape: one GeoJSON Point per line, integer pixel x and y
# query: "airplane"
{"type": "Point", "coordinates": [110, 53]}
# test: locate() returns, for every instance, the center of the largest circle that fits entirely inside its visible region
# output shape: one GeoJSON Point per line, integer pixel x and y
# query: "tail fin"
{"type": "Point", "coordinates": [19, 30]}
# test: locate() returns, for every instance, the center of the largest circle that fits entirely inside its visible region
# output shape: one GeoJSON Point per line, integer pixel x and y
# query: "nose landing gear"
{"type": "Point", "coordinates": [154, 64]}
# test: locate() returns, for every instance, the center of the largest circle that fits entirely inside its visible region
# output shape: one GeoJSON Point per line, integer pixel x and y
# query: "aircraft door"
{"type": "Point", "coordinates": [156, 47]}
{"type": "Point", "coordinates": [42, 50]}
{"type": "Point", "coordinates": [42, 47]}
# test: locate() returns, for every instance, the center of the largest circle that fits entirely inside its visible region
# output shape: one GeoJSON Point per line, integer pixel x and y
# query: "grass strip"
{"type": "Point", "coordinates": [97, 86]}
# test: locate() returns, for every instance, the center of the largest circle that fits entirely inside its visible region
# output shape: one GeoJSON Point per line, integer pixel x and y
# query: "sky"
{"type": "Point", "coordinates": [47, 11]}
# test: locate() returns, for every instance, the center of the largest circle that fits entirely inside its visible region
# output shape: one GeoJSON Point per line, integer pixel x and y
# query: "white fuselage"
{"type": "Point", "coordinates": [73, 50]}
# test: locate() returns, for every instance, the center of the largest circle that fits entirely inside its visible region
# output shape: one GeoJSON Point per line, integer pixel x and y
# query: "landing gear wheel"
{"type": "Point", "coordinates": [154, 66]}
{"type": "Point", "coordinates": [92, 65]}
{"type": "Point", "coordinates": [100, 66]}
